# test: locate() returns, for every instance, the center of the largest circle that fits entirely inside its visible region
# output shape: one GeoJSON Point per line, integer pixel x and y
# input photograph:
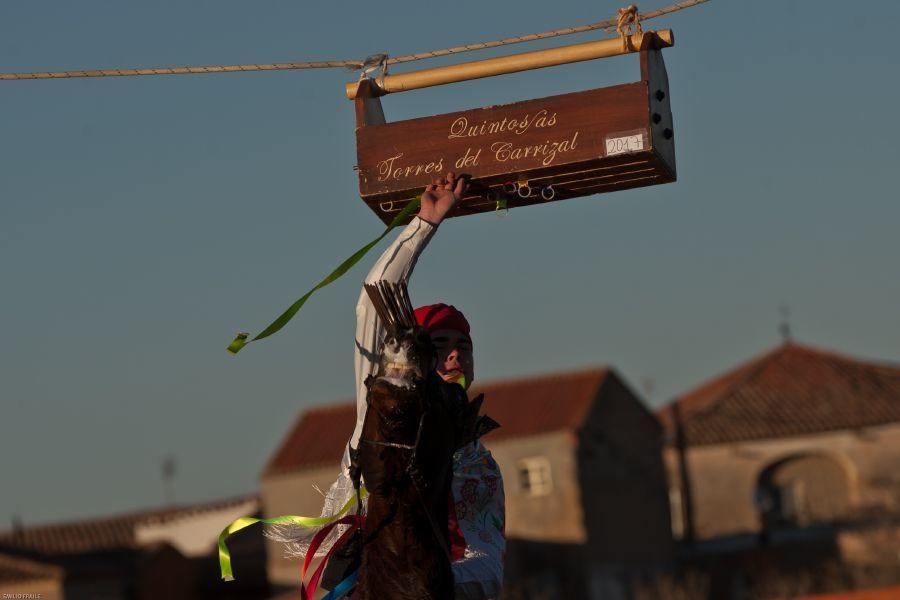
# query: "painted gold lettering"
{"type": "Point", "coordinates": [468, 159]}
{"type": "Point", "coordinates": [384, 167]}
{"type": "Point", "coordinates": [390, 169]}
{"type": "Point", "coordinates": [501, 150]}
{"type": "Point", "coordinates": [551, 154]}
{"type": "Point", "coordinates": [462, 127]}
{"type": "Point", "coordinates": [458, 128]}
{"type": "Point", "coordinates": [546, 152]}
{"type": "Point", "coordinates": [523, 126]}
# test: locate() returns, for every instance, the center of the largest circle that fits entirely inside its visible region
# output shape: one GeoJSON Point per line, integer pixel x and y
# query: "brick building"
{"type": "Point", "coordinates": [583, 478]}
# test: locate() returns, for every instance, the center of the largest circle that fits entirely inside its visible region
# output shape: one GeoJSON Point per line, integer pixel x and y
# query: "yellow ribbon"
{"type": "Point", "coordinates": [238, 524]}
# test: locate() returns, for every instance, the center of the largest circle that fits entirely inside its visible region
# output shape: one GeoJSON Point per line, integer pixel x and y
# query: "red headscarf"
{"type": "Point", "coordinates": [442, 316]}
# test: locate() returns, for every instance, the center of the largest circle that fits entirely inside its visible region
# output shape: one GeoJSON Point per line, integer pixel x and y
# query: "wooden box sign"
{"type": "Point", "coordinates": [530, 152]}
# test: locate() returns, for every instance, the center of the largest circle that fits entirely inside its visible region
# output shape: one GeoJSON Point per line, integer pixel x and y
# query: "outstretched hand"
{"type": "Point", "coordinates": [440, 197]}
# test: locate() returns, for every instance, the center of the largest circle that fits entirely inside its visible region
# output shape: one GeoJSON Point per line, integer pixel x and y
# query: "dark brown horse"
{"type": "Point", "coordinates": [414, 423]}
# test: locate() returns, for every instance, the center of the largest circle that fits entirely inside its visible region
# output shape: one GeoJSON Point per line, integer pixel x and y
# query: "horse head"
{"type": "Point", "coordinates": [406, 397]}
{"type": "Point", "coordinates": [414, 423]}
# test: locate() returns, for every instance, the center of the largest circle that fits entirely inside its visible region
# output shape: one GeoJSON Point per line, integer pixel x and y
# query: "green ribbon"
{"type": "Point", "coordinates": [238, 524]}
{"type": "Point", "coordinates": [241, 340]}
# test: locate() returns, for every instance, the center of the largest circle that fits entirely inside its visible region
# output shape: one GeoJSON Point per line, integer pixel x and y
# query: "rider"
{"type": "Point", "coordinates": [477, 506]}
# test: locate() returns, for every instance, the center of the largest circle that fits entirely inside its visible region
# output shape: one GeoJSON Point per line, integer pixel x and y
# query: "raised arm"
{"type": "Point", "coordinates": [396, 264]}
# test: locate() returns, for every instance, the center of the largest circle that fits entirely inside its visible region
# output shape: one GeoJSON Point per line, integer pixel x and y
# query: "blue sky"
{"type": "Point", "coordinates": [144, 221]}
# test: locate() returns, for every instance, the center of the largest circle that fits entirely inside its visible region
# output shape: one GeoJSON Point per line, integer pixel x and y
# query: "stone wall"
{"type": "Point", "coordinates": [724, 478]}
{"type": "Point", "coordinates": [552, 517]}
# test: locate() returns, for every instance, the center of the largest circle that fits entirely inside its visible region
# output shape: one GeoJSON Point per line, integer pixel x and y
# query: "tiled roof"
{"type": "Point", "coordinates": [552, 402]}
{"type": "Point", "coordinates": [92, 535]}
{"type": "Point", "coordinates": [523, 407]}
{"type": "Point", "coordinates": [317, 438]}
{"type": "Point", "coordinates": [792, 390]}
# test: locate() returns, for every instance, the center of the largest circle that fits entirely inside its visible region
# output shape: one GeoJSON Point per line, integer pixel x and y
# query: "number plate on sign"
{"type": "Point", "coordinates": [624, 144]}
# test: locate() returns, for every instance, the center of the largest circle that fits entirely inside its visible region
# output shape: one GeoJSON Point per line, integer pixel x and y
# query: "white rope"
{"type": "Point", "coordinates": [608, 25]}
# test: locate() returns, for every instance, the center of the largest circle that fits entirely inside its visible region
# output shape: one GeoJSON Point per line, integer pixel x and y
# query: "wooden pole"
{"type": "Point", "coordinates": [515, 63]}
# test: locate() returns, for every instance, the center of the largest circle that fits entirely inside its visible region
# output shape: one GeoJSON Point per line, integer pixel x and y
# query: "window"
{"type": "Point", "coordinates": [534, 476]}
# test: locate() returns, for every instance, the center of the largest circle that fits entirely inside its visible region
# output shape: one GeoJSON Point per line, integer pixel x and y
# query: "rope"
{"type": "Point", "coordinates": [628, 20]}
{"type": "Point", "coordinates": [330, 64]}
{"type": "Point", "coordinates": [608, 25]}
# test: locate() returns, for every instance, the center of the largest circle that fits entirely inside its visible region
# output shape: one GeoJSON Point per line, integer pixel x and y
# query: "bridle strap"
{"type": "Point", "coordinates": [389, 444]}
{"type": "Point", "coordinates": [411, 447]}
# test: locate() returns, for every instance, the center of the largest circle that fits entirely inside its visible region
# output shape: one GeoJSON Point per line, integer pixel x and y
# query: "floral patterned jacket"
{"type": "Point", "coordinates": [478, 538]}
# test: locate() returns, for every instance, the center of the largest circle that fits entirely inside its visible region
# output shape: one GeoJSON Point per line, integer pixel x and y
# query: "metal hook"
{"type": "Point", "coordinates": [389, 208]}
{"type": "Point", "coordinates": [524, 191]}
{"type": "Point", "coordinates": [548, 193]}
{"type": "Point", "coordinates": [510, 187]}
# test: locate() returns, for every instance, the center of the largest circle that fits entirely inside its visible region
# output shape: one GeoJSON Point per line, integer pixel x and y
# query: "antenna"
{"type": "Point", "coordinates": [168, 475]}
{"type": "Point", "coordinates": [784, 328]}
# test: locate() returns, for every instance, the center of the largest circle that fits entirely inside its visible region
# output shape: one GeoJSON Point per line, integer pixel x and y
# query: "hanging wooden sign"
{"type": "Point", "coordinates": [529, 152]}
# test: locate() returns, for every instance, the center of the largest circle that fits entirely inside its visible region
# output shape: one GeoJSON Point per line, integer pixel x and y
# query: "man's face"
{"type": "Point", "coordinates": [454, 355]}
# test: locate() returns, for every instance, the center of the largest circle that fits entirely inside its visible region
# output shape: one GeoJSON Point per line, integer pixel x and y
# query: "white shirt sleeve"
{"type": "Point", "coordinates": [396, 264]}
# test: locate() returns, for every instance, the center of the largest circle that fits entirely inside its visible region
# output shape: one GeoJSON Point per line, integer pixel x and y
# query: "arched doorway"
{"type": "Point", "coordinates": [803, 490]}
